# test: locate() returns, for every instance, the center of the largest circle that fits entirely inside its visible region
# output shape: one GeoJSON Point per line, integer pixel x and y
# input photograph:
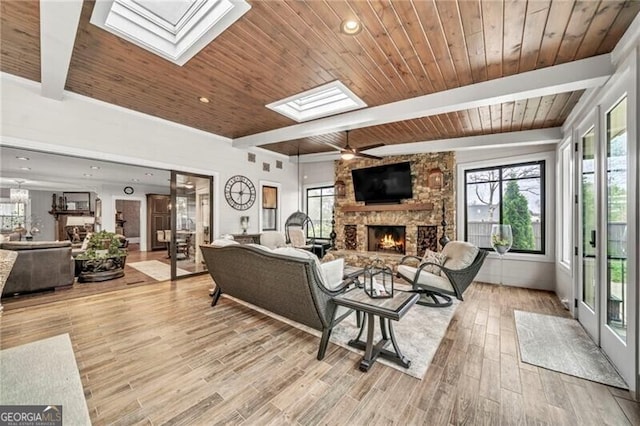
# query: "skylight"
{"type": "Point", "coordinates": [325, 100]}
{"type": "Point", "coordinates": [175, 30]}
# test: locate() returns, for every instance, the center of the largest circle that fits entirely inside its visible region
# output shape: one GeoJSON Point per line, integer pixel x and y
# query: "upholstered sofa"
{"type": "Point", "coordinates": [39, 265]}
{"type": "Point", "coordinates": [286, 281]}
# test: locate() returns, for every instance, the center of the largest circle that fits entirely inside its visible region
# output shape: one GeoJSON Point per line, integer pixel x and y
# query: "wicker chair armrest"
{"type": "Point", "coordinates": [344, 285]}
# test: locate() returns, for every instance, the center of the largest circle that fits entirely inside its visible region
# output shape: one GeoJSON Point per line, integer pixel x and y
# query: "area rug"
{"type": "Point", "coordinates": [418, 334]}
{"type": "Point", "coordinates": [155, 269]}
{"type": "Point", "coordinates": [561, 344]}
{"type": "Point", "coordinates": [45, 373]}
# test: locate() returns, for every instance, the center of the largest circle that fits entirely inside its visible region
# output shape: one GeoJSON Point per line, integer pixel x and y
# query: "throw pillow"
{"type": "Point", "coordinates": [332, 273]}
{"type": "Point", "coordinates": [223, 243]}
{"type": "Point", "coordinates": [433, 257]}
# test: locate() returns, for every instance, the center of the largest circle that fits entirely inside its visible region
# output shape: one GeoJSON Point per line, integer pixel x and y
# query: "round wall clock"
{"type": "Point", "coordinates": [240, 192]}
{"type": "Point", "coordinates": [128, 190]}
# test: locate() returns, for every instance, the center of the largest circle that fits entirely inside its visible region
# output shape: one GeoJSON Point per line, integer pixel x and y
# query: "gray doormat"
{"type": "Point", "coordinates": [561, 344]}
{"type": "Point", "coordinates": [44, 372]}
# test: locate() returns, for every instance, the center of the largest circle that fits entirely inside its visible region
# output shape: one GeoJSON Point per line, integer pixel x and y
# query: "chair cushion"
{"type": "Point", "coordinates": [425, 278]}
{"type": "Point", "coordinates": [297, 238]}
{"type": "Point", "coordinates": [332, 273]}
{"type": "Point", "coordinates": [433, 257]}
{"type": "Point", "coordinates": [460, 254]}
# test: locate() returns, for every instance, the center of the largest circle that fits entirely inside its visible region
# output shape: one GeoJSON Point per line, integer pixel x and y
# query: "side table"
{"type": "Point", "coordinates": [387, 310]}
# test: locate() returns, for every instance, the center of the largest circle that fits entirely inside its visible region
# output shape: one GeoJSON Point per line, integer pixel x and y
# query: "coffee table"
{"type": "Point", "coordinates": [386, 310]}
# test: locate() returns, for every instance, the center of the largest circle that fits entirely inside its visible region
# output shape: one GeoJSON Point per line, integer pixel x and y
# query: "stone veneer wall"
{"type": "Point", "coordinates": [420, 165]}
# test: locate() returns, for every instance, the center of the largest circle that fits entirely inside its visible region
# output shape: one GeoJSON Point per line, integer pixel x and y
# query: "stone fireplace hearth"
{"type": "Point", "coordinates": [386, 238]}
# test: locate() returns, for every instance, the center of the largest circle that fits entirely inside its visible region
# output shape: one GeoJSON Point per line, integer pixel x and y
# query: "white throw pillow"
{"type": "Point", "coordinates": [259, 247]}
{"type": "Point", "coordinates": [433, 257]}
{"type": "Point", "coordinates": [223, 243]}
{"type": "Point", "coordinates": [332, 273]}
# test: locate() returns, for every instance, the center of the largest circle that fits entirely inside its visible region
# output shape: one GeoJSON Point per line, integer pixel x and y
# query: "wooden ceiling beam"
{"type": "Point", "coordinates": [58, 25]}
{"type": "Point", "coordinates": [546, 136]}
{"type": "Point", "coordinates": [568, 77]}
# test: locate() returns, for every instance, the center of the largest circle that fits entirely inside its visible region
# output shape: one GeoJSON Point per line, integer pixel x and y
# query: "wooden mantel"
{"type": "Point", "coordinates": [388, 207]}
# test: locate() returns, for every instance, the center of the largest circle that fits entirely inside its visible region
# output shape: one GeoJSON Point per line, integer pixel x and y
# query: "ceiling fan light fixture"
{"type": "Point", "coordinates": [350, 27]}
{"type": "Point", "coordinates": [347, 156]}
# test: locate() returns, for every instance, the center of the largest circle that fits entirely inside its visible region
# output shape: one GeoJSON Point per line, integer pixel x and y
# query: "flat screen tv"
{"type": "Point", "coordinates": [383, 184]}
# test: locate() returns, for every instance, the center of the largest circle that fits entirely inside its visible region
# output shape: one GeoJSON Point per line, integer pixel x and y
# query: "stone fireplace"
{"type": "Point", "coordinates": [386, 238]}
{"type": "Point", "coordinates": [419, 217]}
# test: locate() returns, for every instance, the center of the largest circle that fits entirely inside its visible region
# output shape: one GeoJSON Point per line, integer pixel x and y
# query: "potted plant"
{"type": "Point", "coordinates": [103, 260]}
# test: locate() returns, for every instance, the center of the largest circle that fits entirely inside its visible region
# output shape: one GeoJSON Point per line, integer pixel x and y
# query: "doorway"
{"type": "Point", "coordinates": [606, 207]}
{"type": "Point", "coordinates": [191, 222]}
{"type": "Point", "coordinates": [128, 220]}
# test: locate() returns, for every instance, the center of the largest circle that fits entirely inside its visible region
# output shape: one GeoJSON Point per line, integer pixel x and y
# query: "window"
{"type": "Point", "coordinates": [565, 204]}
{"type": "Point", "coordinates": [509, 194]}
{"type": "Point", "coordinates": [320, 202]}
{"type": "Point", "coordinates": [12, 215]}
{"type": "Point", "coordinates": [269, 208]}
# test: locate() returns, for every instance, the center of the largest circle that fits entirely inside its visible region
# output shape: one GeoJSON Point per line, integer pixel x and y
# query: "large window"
{"type": "Point", "coordinates": [12, 215]}
{"type": "Point", "coordinates": [320, 202]}
{"type": "Point", "coordinates": [510, 194]}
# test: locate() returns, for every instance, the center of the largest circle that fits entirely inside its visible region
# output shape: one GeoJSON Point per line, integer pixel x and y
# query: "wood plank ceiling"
{"type": "Point", "coordinates": [280, 48]}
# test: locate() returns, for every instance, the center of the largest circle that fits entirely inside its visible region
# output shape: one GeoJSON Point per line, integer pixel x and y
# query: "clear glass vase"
{"type": "Point", "coordinates": [501, 241]}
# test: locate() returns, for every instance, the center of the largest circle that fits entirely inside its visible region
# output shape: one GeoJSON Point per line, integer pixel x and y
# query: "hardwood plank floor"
{"type": "Point", "coordinates": [132, 277]}
{"type": "Point", "coordinates": [158, 354]}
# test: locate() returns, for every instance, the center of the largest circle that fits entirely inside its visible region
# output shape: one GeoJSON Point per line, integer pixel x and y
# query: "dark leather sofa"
{"type": "Point", "coordinates": [40, 265]}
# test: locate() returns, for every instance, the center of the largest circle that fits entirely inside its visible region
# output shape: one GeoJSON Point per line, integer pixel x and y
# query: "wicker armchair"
{"type": "Point", "coordinates": [463, 261]}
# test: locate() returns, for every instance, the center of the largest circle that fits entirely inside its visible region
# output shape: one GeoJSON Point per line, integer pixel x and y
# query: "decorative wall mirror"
{"type": "Point", "coordinates": [77, 201]}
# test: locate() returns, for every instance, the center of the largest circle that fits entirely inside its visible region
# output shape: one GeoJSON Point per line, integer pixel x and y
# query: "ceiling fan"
{"type": "Point", "coordinates": [348, 153]}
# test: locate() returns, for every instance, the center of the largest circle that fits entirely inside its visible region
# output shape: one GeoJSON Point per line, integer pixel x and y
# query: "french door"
{"type": "Point", "coordinates": [607, 280]}
{"type": "Point", "coordinates": [191, 220]}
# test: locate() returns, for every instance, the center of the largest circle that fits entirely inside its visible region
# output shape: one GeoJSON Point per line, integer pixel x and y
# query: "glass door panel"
{"type": "Point", "coordinates": [192, 217]}
{"type": "Point", "coordinates": [616, 139]}
{"type": "Point", "coordinates": [589, 206]}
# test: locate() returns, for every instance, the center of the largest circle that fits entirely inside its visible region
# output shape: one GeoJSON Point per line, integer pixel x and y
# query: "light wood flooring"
{"type": "Point", "coordinates": [159, 354]}
{"type": "Point", "coordinates": [132, 277]}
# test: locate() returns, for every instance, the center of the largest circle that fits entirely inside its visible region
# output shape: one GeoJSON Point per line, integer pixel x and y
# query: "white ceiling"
{"type": "Point", "coordinates": [59, 172]}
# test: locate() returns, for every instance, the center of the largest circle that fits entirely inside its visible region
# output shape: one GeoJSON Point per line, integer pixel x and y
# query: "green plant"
{"type": "Point", "coordinates": [102, 245]}
{"type": "Point", "coordinates": [516, 213]}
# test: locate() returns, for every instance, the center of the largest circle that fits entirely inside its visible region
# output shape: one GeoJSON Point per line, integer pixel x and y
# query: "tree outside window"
{"type": "Point", "coordinates": [509, 194]}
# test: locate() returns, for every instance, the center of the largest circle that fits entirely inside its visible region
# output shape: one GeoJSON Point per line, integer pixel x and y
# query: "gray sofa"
{"type": "Point", "coordinates": [39, 265]}
{"type": "Point", "coordinates": [292, 285]}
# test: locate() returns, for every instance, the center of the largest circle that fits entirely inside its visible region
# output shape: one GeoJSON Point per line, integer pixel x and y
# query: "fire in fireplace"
{"type": "Point", "coordinates": [386, 238]}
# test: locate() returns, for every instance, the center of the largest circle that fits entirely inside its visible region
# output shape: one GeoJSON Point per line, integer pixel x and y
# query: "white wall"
{"type": "Point", "coordinates": [81, 126]}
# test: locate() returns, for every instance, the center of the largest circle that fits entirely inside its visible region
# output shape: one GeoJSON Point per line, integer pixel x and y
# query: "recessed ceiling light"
{"type": "Point", "coordinates": [135, 180]}
{"type": "Point", "coordinates": [25, 168]}
{"type": "Point", "coordinates": [87, 175]}
{"type": "Point", "coordinates": [23, 158]}
{"type": "Point", "coordinates": [148, 174]}
{"type": "Point", "coordinates": [350, 27]}
{"type": "Point", "coordinates": [95, 167]}
{"type": "Point", "coordinates": [203, 100]}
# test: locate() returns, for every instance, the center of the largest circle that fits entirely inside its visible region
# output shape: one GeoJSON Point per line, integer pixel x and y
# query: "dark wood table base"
{"type": "Point", "coordinates": [373, 351]}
